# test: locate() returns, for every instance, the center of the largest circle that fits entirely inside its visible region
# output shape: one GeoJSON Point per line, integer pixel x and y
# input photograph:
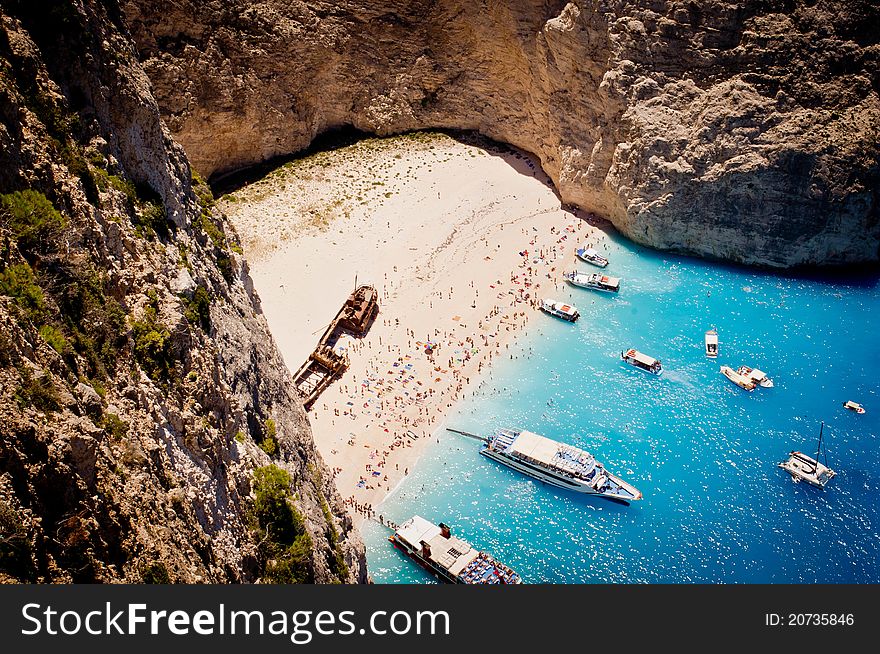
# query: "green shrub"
{"type": "Point", "coordinates": [155, 573]}
{"type": "Point", "coordinates": [285, 546]}
{"type": "Point", "coordinates": [38, 392]}
{"type": "Point", "coordinates": [31, 219]}
{"type": "Point", "coordinates": [152, 221]}
{"type": "Point", "coordinates": [198, 308]}
{"type": "Point", "coordinates": [19, 283]}
{"type": "Point", "coordinates": [224, 263]}
{"type": "Point", "coordinates": [54, 338]}
{"type": "Point", "coordinates": [239, 436]}
{"type": "Point", "coordinates": [15, 545]}
{"type": "Point", "coordinates": [114, 426]}
{"type": "Point", "coordinates": [214, 232]}
{"type": "Point", "coordinates": [152, 344]}
{"type": "Point", "coordinates": [269, 442]}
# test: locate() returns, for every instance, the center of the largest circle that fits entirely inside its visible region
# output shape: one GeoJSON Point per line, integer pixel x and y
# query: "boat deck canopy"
{"type": "Point", "coordinates": [641, 358]}
{"type": "Point", "coordinates": [417, 529]}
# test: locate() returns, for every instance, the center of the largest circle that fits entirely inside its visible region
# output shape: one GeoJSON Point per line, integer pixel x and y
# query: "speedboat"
{"type": "Point", "coordinates": [757, 376]}
{"type": "Point", "coordinates": [740, 380]}
{"type": "Point", "coordinates": [590, 255]}
{"type": "Point", "coordinates": [560, 310]}
{"type": "Point", "coordinates": [853, 406]}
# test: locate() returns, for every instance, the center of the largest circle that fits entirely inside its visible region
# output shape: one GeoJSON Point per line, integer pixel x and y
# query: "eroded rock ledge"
{"type": "Point", "coordinates": [746, 131]}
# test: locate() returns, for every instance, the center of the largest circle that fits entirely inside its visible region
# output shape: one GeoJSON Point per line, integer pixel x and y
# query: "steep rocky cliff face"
{"type": "Point", "coordinates": [149, 427]}
{"type": "Point", "coordinates": [747, 131]}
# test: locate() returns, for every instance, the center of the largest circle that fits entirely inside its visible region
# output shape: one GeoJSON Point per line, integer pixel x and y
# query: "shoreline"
{"type": "Point", "coordinates": [459, 248]}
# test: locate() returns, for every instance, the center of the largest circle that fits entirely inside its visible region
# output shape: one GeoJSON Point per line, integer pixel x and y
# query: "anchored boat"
{"type": "Point", "coordinates": [853, 406]}
{"type": "Point", "coordinates": [591, 256]}
{"type": "Point", "coordinates": [758, 376]}
{"type": "Point", "coordinates": [642, 361]}
{"type": "Point", "coordinates": [447, 557]}
{"type": "Point", "coordinates": [805, 468]}
{"type": "Point", "coordinates": [558, 464]}
{"type": "Point", "coordinates": [739, 379]}
{"type": "Point", "coordinates": [560, 310]}
{"type": "Point", "coordinates": [712, 343]}
{"type": "Point", "coordinates": [593, 281]}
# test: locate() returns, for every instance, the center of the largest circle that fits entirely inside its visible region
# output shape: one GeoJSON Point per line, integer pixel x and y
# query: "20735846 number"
{"type": "Point", "coordinates": [820, 619]}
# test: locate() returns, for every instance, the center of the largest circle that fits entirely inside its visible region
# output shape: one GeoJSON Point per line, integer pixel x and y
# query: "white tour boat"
{"type": "Point", "coordinates": [590, 255]}
{"type": "Point", "coordinates": [758, 376]}
{"type": "Point", "coordinates": [558, 464]}
{"type": "Point", "coordinates": [593, 281]}
{"type": "Point", "coordinates": [560, 310]}
{"type": "Point", "coordinates": [740, 380]}
{"type": "Point", "coordinates": [711, 344]}
{"type": "Point", "coordinates": [805, 468]}
{"type": "Point", "coordinates": [448, 558]}
{"type": "Point", "coordinates": [853, 406]}
{"type": "Point", "coordinates": [642, 361]}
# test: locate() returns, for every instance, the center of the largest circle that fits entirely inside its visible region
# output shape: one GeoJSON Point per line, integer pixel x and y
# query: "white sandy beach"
{"type": "Point", "coordinates": [440, 227]}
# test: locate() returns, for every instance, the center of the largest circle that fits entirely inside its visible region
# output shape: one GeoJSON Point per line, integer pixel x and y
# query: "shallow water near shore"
{"type": "Point", "coordinates": [703, 452]}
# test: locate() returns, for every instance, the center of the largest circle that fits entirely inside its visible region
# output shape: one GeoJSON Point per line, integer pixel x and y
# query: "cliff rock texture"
{"type": "Point", "coordinates": [741, 130]}
{"type": "Point", "coordinates": [150, 431]}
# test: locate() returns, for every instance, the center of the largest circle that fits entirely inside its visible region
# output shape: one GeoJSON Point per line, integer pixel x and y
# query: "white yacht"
{"type": "Point", "coordinates": [560, 310]}
{"type": "Point", "coordinates": [558, 464]}
{"type": "Point", "coordinates": [447, 557]}
{"type": "Point", "coordinates": [593, 281]}
{"type": "Point", "coordinates": [805, 468]}
{"type": "Point", "coordinates": [712, 344]}
{"type": "Point", "coordinates": [758, 376]}
{"type": "Point", "coordinates": [590, 255]}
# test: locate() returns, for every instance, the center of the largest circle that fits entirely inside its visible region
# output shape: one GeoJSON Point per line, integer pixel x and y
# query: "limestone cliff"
{"type": "Point", "coordinates": [741, 130]}
{"type": "Point", "coordinates": [150, 430]}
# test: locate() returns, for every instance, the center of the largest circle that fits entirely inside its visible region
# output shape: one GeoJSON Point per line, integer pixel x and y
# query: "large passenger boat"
{"type": "Point", "coordinates": [560, 310]}
{"type": "Point", "coordinates": [447, 557]}
{"type": "Point", "coordinates": [593, 281]}
{"type": "Point", "coordinates": [558, 464]}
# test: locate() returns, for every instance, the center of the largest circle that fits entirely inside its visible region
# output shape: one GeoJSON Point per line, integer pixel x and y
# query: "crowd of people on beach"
{"type": "Point", "coordinates": [394, 405]}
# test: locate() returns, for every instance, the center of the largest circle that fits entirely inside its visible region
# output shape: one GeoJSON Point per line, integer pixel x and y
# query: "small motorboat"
{"type": "Point", "coordinates": [758, 376]}
{"type": "Point", "coordinates": [641, 361]}
{"type": "Point", "coordinates": [711, 344]}
{"type": "Point", "coordinates": [853, 406]}
{"type": "Point", "coordinates": [560, 310]}
{"type": "Point", "coordinates": [590, 255]}
{"type": "Point", "coordinates": [740, 380]}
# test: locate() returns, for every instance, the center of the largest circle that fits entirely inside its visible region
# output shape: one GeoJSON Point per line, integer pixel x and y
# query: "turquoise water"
{"type": "Point", "coordinates": [703, 452]}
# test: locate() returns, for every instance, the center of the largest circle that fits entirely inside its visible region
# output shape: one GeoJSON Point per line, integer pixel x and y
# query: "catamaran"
{"type": "Point", "coordinates": [560, 310]}
{"type": "Point", "coordinates": [712, 344]}
{"type": "Point", "coordinates": [447, 557]}
{"type": "Point", "coordinates": [805, 468]}
{"type": "Point", "coordinates": [758, 376]}
{"type": "Point", "coordinates": [590, 255]}
{"type": "Point", "coordinates": [739, 379]}
{"type": "Point", "coordinates": [558, 464]}
{"type": "Point", "coordinates": [642, 361]}
{"type": "Point", "coordinates": [593, 281]}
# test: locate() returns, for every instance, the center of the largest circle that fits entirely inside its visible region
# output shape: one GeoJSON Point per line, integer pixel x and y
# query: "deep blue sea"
{"type": "Point", "coordinates": [704, 452]}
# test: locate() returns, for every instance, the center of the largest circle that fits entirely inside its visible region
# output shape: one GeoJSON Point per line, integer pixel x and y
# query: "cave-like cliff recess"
{"type": "Point", "coordinates": [741, 130]}
{"type": "Point", "coordinates": [149, 430]}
